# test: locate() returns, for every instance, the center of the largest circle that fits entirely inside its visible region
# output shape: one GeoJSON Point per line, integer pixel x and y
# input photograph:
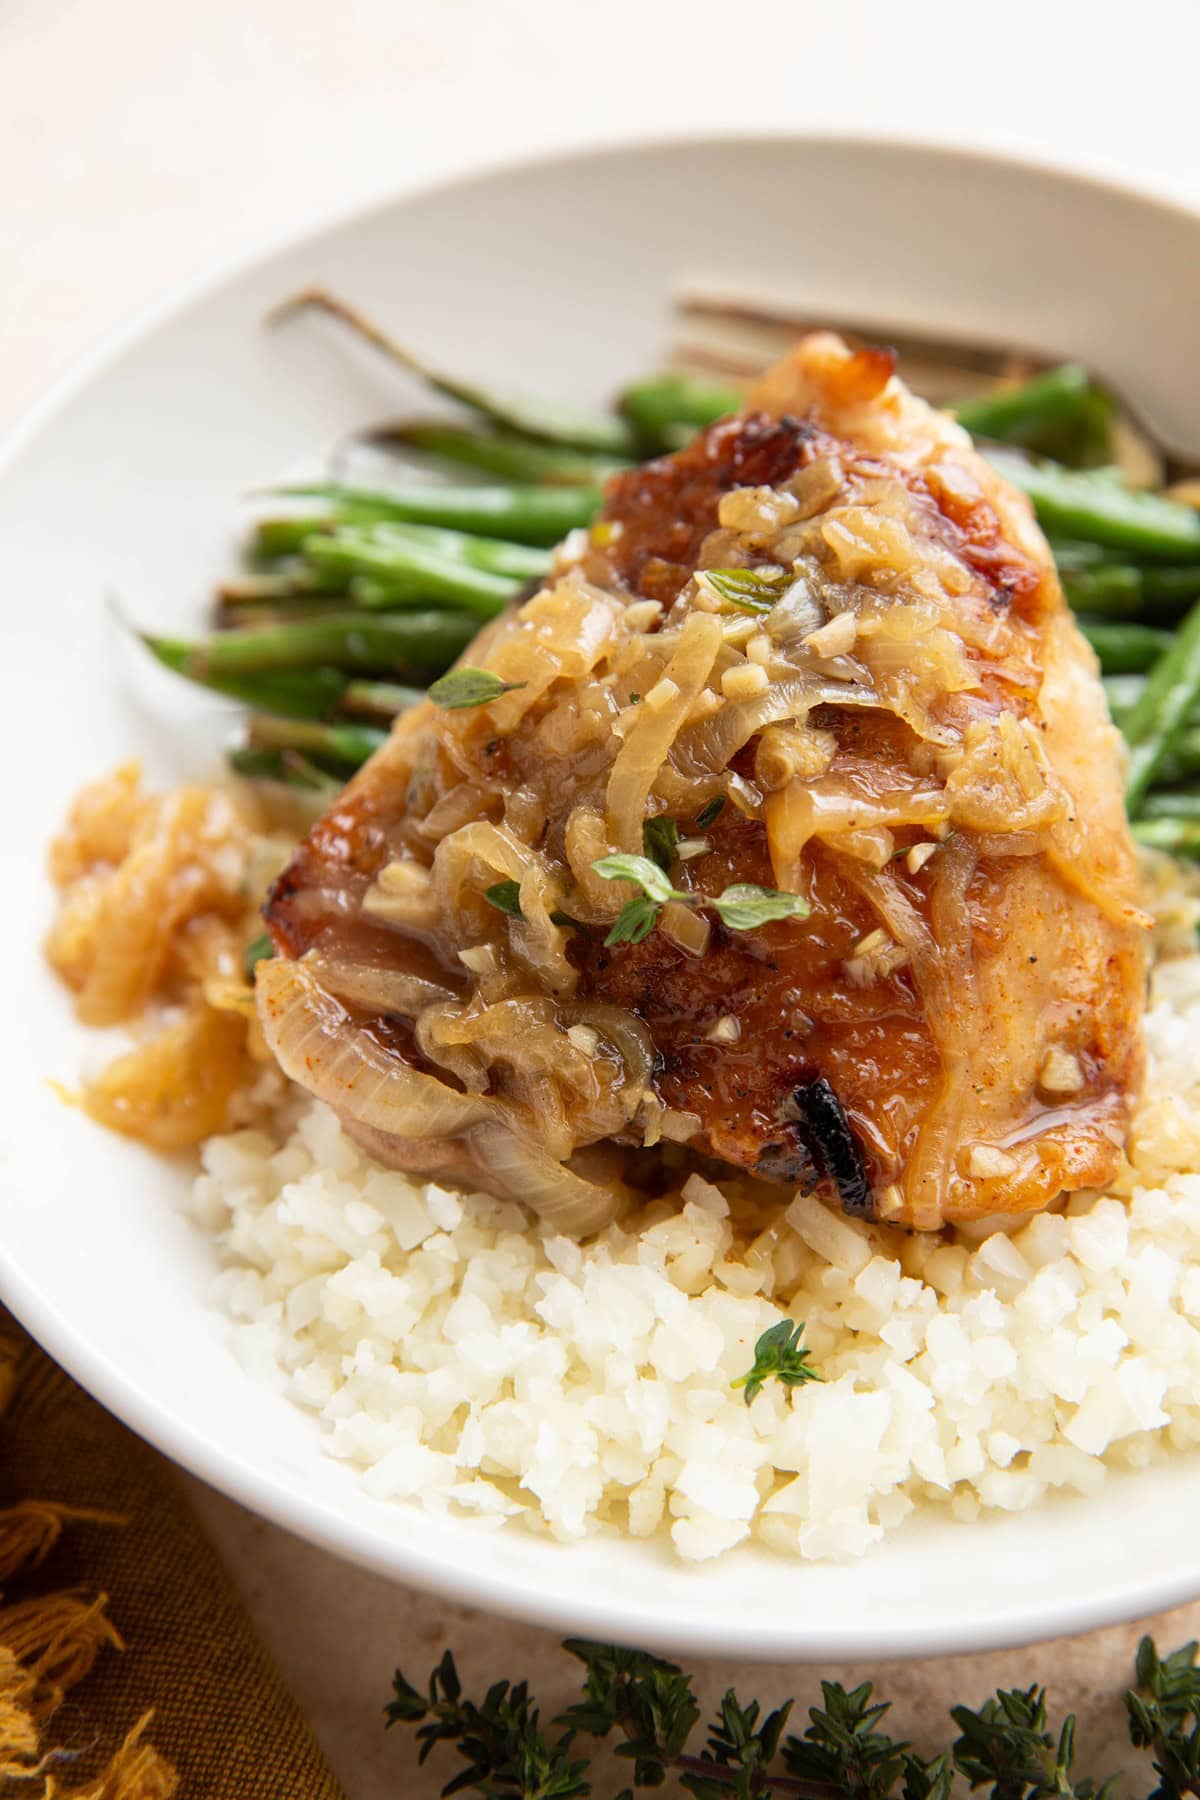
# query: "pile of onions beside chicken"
{"type": "Point", "coordinates": [909, 733]}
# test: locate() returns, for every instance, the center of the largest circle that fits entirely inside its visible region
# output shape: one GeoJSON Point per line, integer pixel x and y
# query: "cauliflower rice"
{"type": "Point", "coordinates": [463, 1358]}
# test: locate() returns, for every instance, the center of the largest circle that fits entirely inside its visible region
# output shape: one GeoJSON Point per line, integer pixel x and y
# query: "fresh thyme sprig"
{"type": "Point", "coordinates": [778, 1353]}
{"type": "Point", "coordinates": [1164, 1716]}
{"type": "Point", "coordinates": [1008, 1743]}
{"type": "Point", "coordinates": [504, 1752]}
{"type": "Point", "coordinates": [650, 1706]}
{"type": "Point", "coordinates": [742, 907]}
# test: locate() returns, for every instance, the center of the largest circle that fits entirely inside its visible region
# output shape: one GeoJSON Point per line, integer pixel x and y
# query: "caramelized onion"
{"type": "Point", "coordinates": [316, 1042]}
{"type": "Point", "coordinates": [833, 809]}
{"type": "Point", "coordinates": [558, 1195]}
{"type": "Point", "coordinates": [382, 990]}
{"type": "Point", "coordinates": [660, 718]}
{"type": "Point", "coordinates": [628, 1035]}
{"type": "Point", "coordinates": [561, 633]}
{"type": "Point", "coordinates": [710, 747]}
{"type": "Point", "coordinates": [943, 968]}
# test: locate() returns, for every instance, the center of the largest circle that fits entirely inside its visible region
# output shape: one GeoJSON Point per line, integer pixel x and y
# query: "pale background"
{"type": "Point", "coordinates": [147, 142]}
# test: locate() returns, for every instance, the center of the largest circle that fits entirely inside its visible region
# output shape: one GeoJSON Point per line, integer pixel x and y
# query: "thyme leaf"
{"type": "Point", "coordinates": [256, 951]}
{"type": "Point", "coordinates": [635, 921]}
{"type": "Point", "coordinates": [845, 1753]}
{"type": "Point", "coordinates": [469, 687]}
{"type": "Point", "coordinates": [710, 812]}
{"type": "Point", "coordinates": [642, 871]}
{"type": "Point", "coordinates": [750, 590]}
{"type": "Point", "coordinates": [660, 840]}
{"type": "Point", "coordinates": [744, 907]}
{"type": "Point", "coordinates": [778, 1353]}
{"type": "Point", "coordinates": [505, 896]}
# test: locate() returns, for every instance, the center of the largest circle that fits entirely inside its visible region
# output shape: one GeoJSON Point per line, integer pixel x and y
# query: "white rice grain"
{"type": "Point", "coordinates": [464, 1360]}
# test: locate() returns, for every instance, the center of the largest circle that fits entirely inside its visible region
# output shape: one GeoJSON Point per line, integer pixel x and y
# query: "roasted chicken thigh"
{"type": "Point", "coordinates": [821, 651]}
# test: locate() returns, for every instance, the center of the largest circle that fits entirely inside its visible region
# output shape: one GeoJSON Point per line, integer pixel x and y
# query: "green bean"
{"type": "Point", "coordinates": [346, 745]}
{"type": "Point", "coordinates": [256, 765]}
{"type": "Point", "coordinates": [1095, 505]}
{"type": "Point", "coordinates": [501, 453]}
{"type": "Point", "coordinates": [271, 539]}
{"type": "Point", "coordinates": [297, 579]}
{"type": "Point", "coordinates": [1172, 806]}
{"type": "Point", "coordinates": [293, 583]}
{"type": "Point", "coordinates": [1125, 648]}
{"type": "Point", "coordinates": [413, 644]}
{"type": "Point", "coordinates": [1122, 692]}
{"type": "Point", "coordinates": [1024, 409]}
{"type": "Point", "coordinates": [383, 699]}
{"type": "Point", "coordinates": [399, 570]}
{"type": "Point", "coordinates": [1168, 584]}
{"type": "Point", "coordinates": [551, 421]}
{"type": "Point", "coordinates": [1113, 590]}
{"type": "Point", "coordinates": [522, 514]}
{"type": "Point", "coordinates": [1084, 442]}
{"type": "Point", "coordinates": [1179, 837]}
{"type": "Point", "coordinates": [1059, 414]}
{"type": "Point", "coordinates": [524, 561]}
{"type": "Point", "coordinates": [1156, 721]}
{"type": "Point", "coordinates": [309, 789]}
{"type": "Point", "coordinates": [1074, 556]}
{"type": "Point", "coordinates": [286, 766]}
{"type": "Point", "coordinates": [1119, 590]}
{"type": "Point", "coordinates": [1159, 580]}
{"type": "Point", "coordinates": [307, 693]}
{"type": "Point", "coordinates": [374, 595]}
{"type": "Point", "coordinates": [278, 613]}
{"type": "Point", "coordinates": [1183, 763]}
{"type": "Point", "coordinates": [666, 410]}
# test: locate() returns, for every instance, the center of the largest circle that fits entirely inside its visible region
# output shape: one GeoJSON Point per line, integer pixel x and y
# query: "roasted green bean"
{"type": "Point", "coordinates": [1126, 648]}
{"type": "Point", "coordinates": [523, 514]}
{"type": "Point", "coordinates": [502, 453]}
{"type": "Point", "coordinates": [1095, 505]}
{"type": "Point", "coordinates": [666, 410]}
{"type": "Point", "coordinates": [1161, 711]}
{"type": "Point", "coordinates": [347, 745]}
{"type": "Point", "coordinates": [400, 570]}
{"type": "Point", "coordinates": [413, 644]}
{"type": "Point", "coordinates": [550, 421]}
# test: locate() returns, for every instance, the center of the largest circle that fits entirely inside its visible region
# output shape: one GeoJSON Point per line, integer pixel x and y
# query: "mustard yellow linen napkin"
{"type": "Point", "coordinates": [128, 1667]}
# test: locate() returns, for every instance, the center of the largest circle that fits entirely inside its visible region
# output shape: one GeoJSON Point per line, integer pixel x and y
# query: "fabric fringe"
{"type": "Point", "coordinates": [29, 1532]}
{"type": "Point", "coordinates": [47, 1645]}
{"type": "Point", "coordinates": [18, 1731]}
{"type": "Point", "coordinates": [57, 1638]}
{"type": "Point", "coordinates": [136, 1772]}
{"type": "Point", "coordinates": [223, 1718]}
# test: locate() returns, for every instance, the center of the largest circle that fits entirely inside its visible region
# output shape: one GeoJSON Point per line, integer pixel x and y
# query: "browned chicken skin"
{"type": "Point", "coordinates": [953, 1029]}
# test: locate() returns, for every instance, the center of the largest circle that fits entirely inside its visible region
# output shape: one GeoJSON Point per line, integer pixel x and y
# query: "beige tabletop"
{"type": "Point", "coordinates": [147, 142]}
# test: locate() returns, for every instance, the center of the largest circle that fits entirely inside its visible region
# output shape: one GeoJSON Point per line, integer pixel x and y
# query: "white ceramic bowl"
{"type": "Point", "coordinates": [123, 481]}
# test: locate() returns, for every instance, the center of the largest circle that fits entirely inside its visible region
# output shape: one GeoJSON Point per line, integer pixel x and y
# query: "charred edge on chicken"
{"type": "Point", "coordinates": [830, 1147]}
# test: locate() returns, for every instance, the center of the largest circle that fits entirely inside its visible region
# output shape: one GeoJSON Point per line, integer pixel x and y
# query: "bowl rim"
{"type": "Point", "coordinates": [377, 1549]}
